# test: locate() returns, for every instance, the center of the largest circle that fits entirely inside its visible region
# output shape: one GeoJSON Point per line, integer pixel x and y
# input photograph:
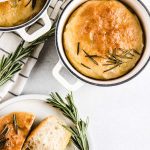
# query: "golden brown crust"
{"type": "Point", "coordinates": [102, 27]}
{"type": "Point", "coordinates": [14, 12]}
{"type": "Point", "coordinates": [24, 122]}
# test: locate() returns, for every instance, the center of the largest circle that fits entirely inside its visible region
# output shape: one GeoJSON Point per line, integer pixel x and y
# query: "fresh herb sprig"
{"type": "Point", "coordinates": [11, 64]}
{"type": "Point", "coordinates": [3, 138]}
{"type": "Point", "coordinates": [115, 60]}
{"type": "Point", "coordinates": [79, 128]}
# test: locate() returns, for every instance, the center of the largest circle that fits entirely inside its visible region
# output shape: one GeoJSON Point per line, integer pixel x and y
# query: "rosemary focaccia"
{"type": "Point", "coordinates": [14, 129]}
{"type": "Point", "coordinates": [49, 135]}
{"type": "Point", "coordinates": [103, 39]}
{"type": "Point", "coordinates": [16, 12]}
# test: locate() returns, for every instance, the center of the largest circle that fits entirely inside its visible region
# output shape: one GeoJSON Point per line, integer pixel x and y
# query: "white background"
{"type": "Point", "coordinates": [119, 116]}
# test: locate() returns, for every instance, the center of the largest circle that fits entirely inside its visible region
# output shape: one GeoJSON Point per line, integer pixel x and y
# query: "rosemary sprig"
{"type": "Point", "coordinates": [4, 131]}
{"type": "Point", "coordinates": [115, 60]}
{"type": "Point", "coordinates": [11, 64]}
{"type": "Point", "coordinates": [15, 123]}
{"type": "Point", "coordinates": [90, 57]}
{"type": "Point", "coordinates": [78, 48]}
{"type": "Point", "coordinates": [3, 138]}
{"type": "Point", "coordinates": [79, 128]}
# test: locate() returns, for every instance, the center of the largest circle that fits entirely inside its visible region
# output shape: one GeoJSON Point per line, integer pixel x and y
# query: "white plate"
{"type": "Point", "coordinates": [35, 104]}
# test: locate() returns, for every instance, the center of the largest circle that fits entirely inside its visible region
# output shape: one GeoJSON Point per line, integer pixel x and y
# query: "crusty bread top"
{"type": "Point", "coordinates": [48, 135]}
{"type": "Point", "coordinates": [15, 12]}
{"type": "Point", "coordinates": [98, 27]}
{"type": "Point", "coordinates": [24, 122]}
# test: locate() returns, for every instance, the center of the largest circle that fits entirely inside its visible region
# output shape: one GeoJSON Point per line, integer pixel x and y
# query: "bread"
{"type": "Point", "coordinates": [16, 12]}
{"type": "Point", "coordinates": [48, 135]}
{"type": "Point", "coordinates": [15, 136]}
{"type": "Point", "coordinates": [103, 39]}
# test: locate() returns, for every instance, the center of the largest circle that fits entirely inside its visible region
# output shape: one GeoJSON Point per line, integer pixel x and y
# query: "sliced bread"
{"type": "Point", "coordinates": [14, 129]}
{"type": "Point", "coordinates": [48, 135]}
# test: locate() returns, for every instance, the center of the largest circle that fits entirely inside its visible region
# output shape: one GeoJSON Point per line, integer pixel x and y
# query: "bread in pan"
{"type": "Point", "coordinates": [103, 39]}
{"type": "Point", "coordinates": [16, 12]}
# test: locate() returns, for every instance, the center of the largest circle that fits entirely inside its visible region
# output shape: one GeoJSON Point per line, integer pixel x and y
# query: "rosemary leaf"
{"type": "Point", "coordinates": [85, 66]}
{"type": "Point", "coordinates": [15, 123]}
{"type": "Point", "coordinates": [4, 131]}
{"type": "Point", "coordinates": [94, 56]}
{"type": "Point", "coordinates": [78, 48]}
{"type": "Point", "coordinates": [91, 58]}
{"type": "Point", "coordinates": [136, 52]}
{"type": "Point", "coordinates": [28, 3]}
{"type": "Point", "coordinates": [3, 138]}
{"type": "Point", "coordinates": [112, 68]}
{"type": "Point", "coordinates": [33, 4]}
{"type": "Point", "coordinates": [79, 128]}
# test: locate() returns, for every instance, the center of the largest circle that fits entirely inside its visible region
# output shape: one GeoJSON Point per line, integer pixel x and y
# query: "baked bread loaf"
{"type": "Point", "coordinates": [48, 135]}
{"type": "Point", "coordinates": [103, 39]}
{"type": "Point", "coordinates": [14, 129]}
{"type": "Point", "coordinates": [16, 12]}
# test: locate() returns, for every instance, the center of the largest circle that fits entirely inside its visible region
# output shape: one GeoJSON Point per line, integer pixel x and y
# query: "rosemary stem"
{"type": "Point", "coordinates": [11, 64]}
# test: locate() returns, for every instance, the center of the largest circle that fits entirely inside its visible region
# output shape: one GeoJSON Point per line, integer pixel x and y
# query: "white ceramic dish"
{"type": "Point", "coordinates": [144, 16]}
{"type": "Point", "coordinates": [35, 104]}
{"type": "Point", "coordinates": [21, 29]}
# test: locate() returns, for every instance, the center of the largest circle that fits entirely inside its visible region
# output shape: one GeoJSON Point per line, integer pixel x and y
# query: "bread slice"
{"type": "Point", "coordinates": [14, 129]}
{"type": "Point", "coordinates": [48, 135]}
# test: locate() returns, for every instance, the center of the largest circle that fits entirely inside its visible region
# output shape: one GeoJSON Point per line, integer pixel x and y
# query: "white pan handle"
{"type": "Point", "coordinates": [63, 81]}
{"type": "Point", "coordinates": [31, 37]}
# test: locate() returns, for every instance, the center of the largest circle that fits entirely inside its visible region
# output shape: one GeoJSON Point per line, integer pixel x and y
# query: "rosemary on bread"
{"type": "Point", "coordinates": [78, 48]}
{"type": "Point", "coordinates": [33, 3]}
{"type": "Point", "coordinates": [91, 58]}
{"type": "Point", "coordinates": [15, 123]}
{"type": "Point", "coordinates": [3, 138]}
{"type": "Point", "coordinates": [4, 132]}
{"type": "Point", "coordinates": [113, 59]}
{"type": "Point", "coordinates": [69, 110]}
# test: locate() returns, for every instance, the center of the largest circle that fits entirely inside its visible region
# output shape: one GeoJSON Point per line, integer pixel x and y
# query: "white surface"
{"type": "Point", "coordinates": [37, 105]}
{"type": "Point", "coordinates": [119, 116]}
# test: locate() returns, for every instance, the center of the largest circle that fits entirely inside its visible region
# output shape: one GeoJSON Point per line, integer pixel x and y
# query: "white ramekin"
{"type": "Point", "coordinates": [21, 29]}
{"type": "Point", "coordinates": [141, 11]}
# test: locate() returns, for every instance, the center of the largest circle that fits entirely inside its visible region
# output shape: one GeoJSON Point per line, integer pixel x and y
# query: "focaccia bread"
{"type": "Point", "coordinates": [103, 39]}
{"type": "Point", "coordinates": [16, 12]}
{"type": "Point", "coordinates": [14, 129]}
{"type": "Point", "coordinates": [48, 135]}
